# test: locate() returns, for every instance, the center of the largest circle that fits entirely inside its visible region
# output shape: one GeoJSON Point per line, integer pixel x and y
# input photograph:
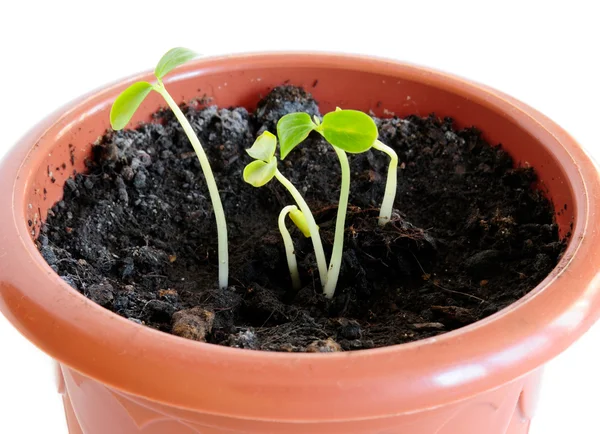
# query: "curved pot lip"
{"type": "Point", "coordinates": [425, 373]}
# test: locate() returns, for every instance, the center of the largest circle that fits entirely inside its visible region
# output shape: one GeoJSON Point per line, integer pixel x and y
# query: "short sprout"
{"type": "Point", "coordinates": [264, 168]}
{"type": "Point", "coordinates": [296, 215]}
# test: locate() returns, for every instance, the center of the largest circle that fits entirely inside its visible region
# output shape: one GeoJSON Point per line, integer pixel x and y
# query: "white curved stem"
{"type": "Point", "coordinates": [223, 254]}
{"type": "Point", "coordinates": [385, 212]}
{"type": "Point", "coordinates": [312, 226]}
{"type": "Point", "coordinates": [289, 246]}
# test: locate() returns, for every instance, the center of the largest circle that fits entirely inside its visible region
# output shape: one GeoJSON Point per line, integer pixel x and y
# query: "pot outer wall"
{"type": "Point", "coordinates": [93, 408]}
{"type": "Point", "coordinates": [483, 378]}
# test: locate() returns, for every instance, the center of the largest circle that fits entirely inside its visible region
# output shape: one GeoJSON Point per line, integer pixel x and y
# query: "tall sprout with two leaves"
{"type": "Point", "coordinates": [125, 107]}
{"type": "Point", "coordinates": [348, 131]}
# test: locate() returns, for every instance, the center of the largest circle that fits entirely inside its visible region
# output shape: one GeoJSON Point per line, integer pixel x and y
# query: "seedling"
{"type": "Point", "coordinates": [262, 170]}
{"type": "Point", "coordinates": [125, 107]}
{"type": "Point", "coordinates": [385, 212]}
{"type": "Point", "coordinates": [349, 131]}
{"type": "Point", "coordinates": [300, 221]}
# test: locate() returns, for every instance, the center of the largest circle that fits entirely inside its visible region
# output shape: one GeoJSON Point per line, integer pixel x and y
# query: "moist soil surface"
{"type": "Point", "coordinates": [136, 233]}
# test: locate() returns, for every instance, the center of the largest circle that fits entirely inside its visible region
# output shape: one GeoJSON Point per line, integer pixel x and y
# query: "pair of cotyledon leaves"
{"type": "Point", "coordinates": [128, 102]}
{"type": "Point", "coordinates": [349, 130]}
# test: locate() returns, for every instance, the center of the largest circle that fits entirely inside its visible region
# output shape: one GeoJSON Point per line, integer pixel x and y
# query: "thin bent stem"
{"type": "Point", "coordinates": [385, 212]}
{"type": "Point", "coordinates": [338, 241]}
{"type": "Point", "coordinates": [289, 247]}
{"type": "Point", "coordinates": [312, 226]}
{"type": "Point", "coordinates": [223, 254]}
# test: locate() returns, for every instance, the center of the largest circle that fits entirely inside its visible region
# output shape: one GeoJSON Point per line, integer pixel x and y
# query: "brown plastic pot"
{"type": "Point", "coordinates": [119, 377]}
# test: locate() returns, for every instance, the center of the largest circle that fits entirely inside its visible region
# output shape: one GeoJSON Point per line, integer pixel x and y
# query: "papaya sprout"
{"type": "Point", "coordinates": [347, 131]}
{"type": "Point", "coordinates": [300, 221]}
{"type": "Point", "coordinates": [385, 212]}
{"type": "Point", "coordinates": [125, 107]}
{"type": "Point", "coordinates": [264, 168]}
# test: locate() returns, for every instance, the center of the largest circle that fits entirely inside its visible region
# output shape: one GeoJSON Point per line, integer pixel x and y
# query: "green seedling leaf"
{"type": "Point", "coordinates": [264, 147]}
{"type": "Point", "coordinates": [259, 172]}
{"type": "Point", "coordinates": [292, 129]}
{"type": "Point", "coordinates": [350, 130]}
{"type": "Point", "coordinates": [127, 103]}
{"type": "Point", "coordinates": [172, 59]}
{"type": "Point", "coordinates": [300, 221]}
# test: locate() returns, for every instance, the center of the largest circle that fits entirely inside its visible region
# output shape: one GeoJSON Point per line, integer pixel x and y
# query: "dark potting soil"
{"type": "Point", "coordinates": [136, 233]}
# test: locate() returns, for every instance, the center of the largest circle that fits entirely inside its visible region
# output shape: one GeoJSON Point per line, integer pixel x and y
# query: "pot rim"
{"type": "Point", "coordinates": [168, 369]}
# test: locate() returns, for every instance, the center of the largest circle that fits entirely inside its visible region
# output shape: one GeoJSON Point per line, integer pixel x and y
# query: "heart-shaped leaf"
{"type": "Point", "coordinates": [264, 147]}
{"type": "Point", "coordinates": [350, 130]}
{"type": "Point", "coordinates": [172, 59]}
{"type": "Point", "coordinates": [127, 103]}
{"type": "Point", "coordinates": [292, 129]}
{"type": "Point", "coordinates": [259, 172]}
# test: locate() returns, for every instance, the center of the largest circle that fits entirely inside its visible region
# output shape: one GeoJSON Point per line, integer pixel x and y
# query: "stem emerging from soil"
{"type": "Point", "coordinates": [338, 241]}
{"type": "Point", "coordinates": [385, 212]}
{"type": "Point", "coordinates": [289, 247]}
{"type": "Point", "coordinates": [223, 255]}
{"type": "Point", "coordinates": [312, 226]}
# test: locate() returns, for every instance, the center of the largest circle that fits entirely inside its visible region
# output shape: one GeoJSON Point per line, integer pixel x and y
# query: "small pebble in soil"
{"type": "Point", "coordinates": [194, 323]}
{"type": "Point", "coordinates": [159, 311]}
{"type": "Point", "coordinates": [101, 293]}
{"type": "Point", "coordinates": [350, 329]}
{"type": "Point", "coordinates": [49, 255]}
{"type": "Point", "coordinates": [458, 314]}
{"type": "Point", "coordinates": [324, 346]}
{"type": "Point", "coordinates": [244, 339]}
{"type": "Point", "coordinates": [428, 326]}
{"type": "Point", "coordinates": [70, 281]}
{"type": "Point", "coordinates": [139, 180]}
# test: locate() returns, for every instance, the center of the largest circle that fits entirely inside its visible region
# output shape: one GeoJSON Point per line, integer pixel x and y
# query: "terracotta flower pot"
{"type": "Point", "coordinates": [121, 378]}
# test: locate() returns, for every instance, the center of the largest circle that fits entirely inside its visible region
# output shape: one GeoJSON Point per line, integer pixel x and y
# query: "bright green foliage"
{"type": "Point", "coordinates": [347, 131]}
{"type": "Point", "coordinates": [172, 59]}
{"type": "Point", "coordinates": [350, 130]}
{"type": "Point", "coordinates": [263, 168]}
{"type": "Point", "coordinates": [293, 129]}
{"type": "Point", "coordinates": [261, 171]}
{"type": "Point", "coordinates": [258, 173]}
{"type": "Point", "coordinates": [127, 103]}
{"type": "Point", "coordinates": [264, 147]}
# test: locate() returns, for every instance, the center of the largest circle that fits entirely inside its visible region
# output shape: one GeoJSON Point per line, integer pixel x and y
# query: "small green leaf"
{"type": "Point", "coordinates": [350, 130]}
{"type": "Point", "coordinates": [292, 129]}
{"type": "Point", "coordinates": [264, 147]}
{"type": "Point", "coordinates": [300, 221]}
{"type": "Point", "coordinates": [172, 59]}
{"type": "Point", "coordinates": [127, 103]}
{"type": "Point", "coordinates": [259, 172]}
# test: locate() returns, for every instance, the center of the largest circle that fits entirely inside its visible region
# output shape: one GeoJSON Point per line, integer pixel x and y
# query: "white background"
{"type": "Point", "coordinates": [545, 54]}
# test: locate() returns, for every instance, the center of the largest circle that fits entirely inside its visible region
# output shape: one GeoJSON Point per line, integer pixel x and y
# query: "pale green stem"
{"type": "Point", "coordinates": [312, 226]}
{"type": "Point", "coordinates": [338, 241]}
{"type": "Point", "coordinates": [385, 212]}
{"type": "Point", "coordinates": [289, 247]}
{"type": "Point", "coordinates": [223, 255]}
